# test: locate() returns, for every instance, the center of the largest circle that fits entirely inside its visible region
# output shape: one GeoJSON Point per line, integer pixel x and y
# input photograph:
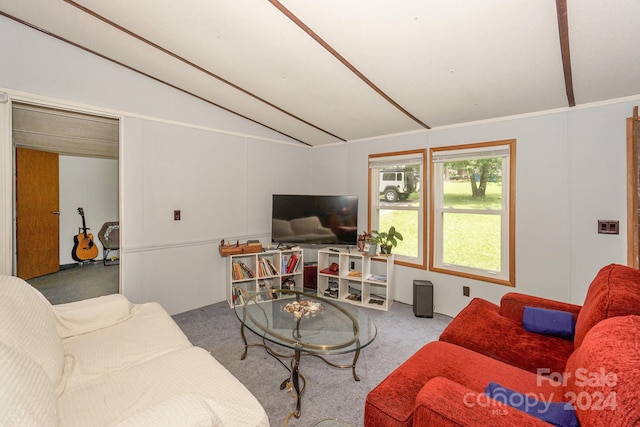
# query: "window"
{"type": "Point", "coordinates": [396, 199]}
{"type": "Point", "coordinates": [472, 211]}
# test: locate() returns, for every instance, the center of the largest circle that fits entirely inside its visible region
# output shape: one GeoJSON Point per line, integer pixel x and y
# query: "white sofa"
{"type": "Point", "coordinates": [107, 362]}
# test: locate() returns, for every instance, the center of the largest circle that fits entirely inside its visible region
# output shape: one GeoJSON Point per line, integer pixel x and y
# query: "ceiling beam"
{"type": "Point", "coordinates": [563, 30]}
{"type": "Point", "coordinates": [201, 69]}
{"type": "Point", "coordinates": [93, 52]}
{"type": "Point", "coordinates": [340, 58]}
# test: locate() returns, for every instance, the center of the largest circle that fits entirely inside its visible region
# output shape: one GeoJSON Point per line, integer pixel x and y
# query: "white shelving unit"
{"type": "Point", "coordinates": [360, 279]}
{"type": "Point", "coordinates": [253, 272]}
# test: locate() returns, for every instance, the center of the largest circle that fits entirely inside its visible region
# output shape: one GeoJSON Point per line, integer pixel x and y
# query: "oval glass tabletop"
{"type": "Point", "coordinates": [304, 321]}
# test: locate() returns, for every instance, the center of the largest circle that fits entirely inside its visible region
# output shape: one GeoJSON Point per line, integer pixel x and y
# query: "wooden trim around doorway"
{"type": "Point", "coordinates": [633, 250]}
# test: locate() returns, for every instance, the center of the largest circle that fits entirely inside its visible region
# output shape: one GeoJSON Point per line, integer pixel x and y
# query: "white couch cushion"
{"type": "Point", "coordinates": [88, 315]}
{"type": "Point", "coordinates": [27, 398]}
{"type": "Point", "coordinates": [119, 396]}
{"type": "Point", "coordinates": [28, 326]}
{"type": "Point", "coordinates": [147, 333]}
{"type": "Point", "coordinates": [186, 410]}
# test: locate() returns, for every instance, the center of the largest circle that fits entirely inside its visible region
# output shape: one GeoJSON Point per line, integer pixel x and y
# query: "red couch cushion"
{"type": "Point", "coordinates": [615, 291]}
{"type": "Point", "coordinates": [444, 403]}
{"type": "Point", "coordinates": [481, 328]}
{"type": "Point", "coordinates": [604, 374]}
{"type": "Point", "coordinates": [512, 305]}
{"type": "Point", "coordinates": [392, 402]}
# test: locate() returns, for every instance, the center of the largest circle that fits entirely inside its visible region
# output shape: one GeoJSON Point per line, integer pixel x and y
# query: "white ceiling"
{"type": "Point", "coordinates": [334, 70]}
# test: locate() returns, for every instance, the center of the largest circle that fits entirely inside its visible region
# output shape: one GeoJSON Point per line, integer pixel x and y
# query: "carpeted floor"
{"type": "Point", "coordinates": [330, 392]}
{"type": "Point", "coordinates": [78, 282]}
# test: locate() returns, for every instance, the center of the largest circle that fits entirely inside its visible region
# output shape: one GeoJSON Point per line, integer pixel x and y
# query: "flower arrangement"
{"type": "Point", "coordinates": [363, 238]}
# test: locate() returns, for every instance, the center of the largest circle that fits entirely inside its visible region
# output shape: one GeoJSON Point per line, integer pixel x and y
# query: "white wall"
{"type": "Point", "coordinates": [176, 152]}
{"type": "Point", "coordinates": [570, 172]}
{"type": "Point", "coordinates": [91, 184]}
{"type": "Point", "coordinates": [220, 170]}
{"type": "Point", "coordinates": [222, 184]}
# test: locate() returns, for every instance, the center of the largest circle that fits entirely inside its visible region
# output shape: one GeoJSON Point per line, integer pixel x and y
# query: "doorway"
{"type": "Point", "coordinates": [84, 148]}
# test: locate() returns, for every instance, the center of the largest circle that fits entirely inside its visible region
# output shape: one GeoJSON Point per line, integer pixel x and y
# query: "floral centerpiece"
{"type": "Point", "coordinates": [363, 239]}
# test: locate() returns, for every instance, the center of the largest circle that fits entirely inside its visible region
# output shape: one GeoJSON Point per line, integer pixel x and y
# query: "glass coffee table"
{"type": "Point", "coordinates": [307, 324]}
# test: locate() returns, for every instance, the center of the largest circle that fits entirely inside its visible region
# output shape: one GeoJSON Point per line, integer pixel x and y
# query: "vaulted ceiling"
{"type": "Point", "coordinates": [326, 71]}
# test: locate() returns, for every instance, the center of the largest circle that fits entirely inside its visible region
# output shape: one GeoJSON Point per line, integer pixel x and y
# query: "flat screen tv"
{"type": "Point", "coordinates": [314, 219]}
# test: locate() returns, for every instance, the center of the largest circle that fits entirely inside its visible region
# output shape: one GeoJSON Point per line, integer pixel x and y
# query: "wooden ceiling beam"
{"type": "Point", "coordinates": [563, 30]}
{"type": "Point", "coordinates": [208, 73]}
{"type": "Point", "coordinates": [343, 60]}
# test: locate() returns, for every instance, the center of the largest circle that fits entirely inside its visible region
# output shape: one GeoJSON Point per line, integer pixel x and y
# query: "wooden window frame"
{"type": "Point", "coordinates": [419, 262]}
{"type": "Point", "coordinates": [511, 245]}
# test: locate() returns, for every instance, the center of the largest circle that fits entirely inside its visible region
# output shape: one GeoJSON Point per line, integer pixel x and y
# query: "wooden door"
{"type": "Point", "coordinates": [37, 213]}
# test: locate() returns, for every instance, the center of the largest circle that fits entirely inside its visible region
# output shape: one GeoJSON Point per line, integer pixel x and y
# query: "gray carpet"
{"type": "Point", "coordinates": [330, 392]}
{"type": "Point", "coordinates": [78, 282]}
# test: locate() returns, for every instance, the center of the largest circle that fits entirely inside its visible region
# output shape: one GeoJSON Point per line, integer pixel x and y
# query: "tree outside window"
{"type": "Point", "coordinates": [472, 211]}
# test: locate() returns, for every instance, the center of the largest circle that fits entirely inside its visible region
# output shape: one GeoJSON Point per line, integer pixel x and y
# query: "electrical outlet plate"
{"type": "Point", "coordinates": [608, 227]}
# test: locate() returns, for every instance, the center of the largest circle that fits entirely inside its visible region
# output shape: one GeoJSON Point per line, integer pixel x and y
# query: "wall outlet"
{"type": "Point", "coordinates": [465, 291]}
{"type": "Point", "coordinates": [608, 227]}
{"type": "Point", "coordinates": [353, 265]}
{"type": "Point", "coordinates": [176, 215]}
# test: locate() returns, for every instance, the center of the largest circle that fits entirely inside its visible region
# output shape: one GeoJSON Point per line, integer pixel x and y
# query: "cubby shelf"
{"type": "Point", "coordinates": [359, 279]}
{"type": "Point", "coordinates": [272, 269]}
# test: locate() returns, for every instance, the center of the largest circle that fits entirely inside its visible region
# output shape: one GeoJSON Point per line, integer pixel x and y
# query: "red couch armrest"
{"type": "Point", "coordinates": [512, 305]}
{"type": "Point", "coordinates": [442, 402]}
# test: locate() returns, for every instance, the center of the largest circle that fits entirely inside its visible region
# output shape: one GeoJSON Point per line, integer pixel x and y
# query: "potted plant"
{"type": "Point", "coordinates": [386, 239]}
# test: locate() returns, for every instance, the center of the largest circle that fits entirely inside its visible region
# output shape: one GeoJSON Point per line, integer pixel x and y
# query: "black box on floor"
{"type": "Point", "coordinates": [422, 298]}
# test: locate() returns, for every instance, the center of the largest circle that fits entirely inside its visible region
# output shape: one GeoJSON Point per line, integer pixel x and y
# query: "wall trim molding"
{"type": "Point", "coordinates": [191, 243]}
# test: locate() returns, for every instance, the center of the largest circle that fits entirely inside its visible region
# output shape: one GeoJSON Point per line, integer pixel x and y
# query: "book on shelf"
{"type": "Point", "coordinates": [266, 267]}
{"type": "Point", "coordinates": [239, 295]}
{"type": "Point", "coordinates": [272, 268]}
{"type": "Point", "coordinates": [241, 271]}
{"type": "Point", "coordinates": [291, 263]}
{"type": "Point", "coordinates": [377, 278]}
{"type": "Point", "coordinates": [272, 295]}
{"type": "Point", "coordinates": [265, 287]}
{"type": "Point", "coordinates": [247, 270]}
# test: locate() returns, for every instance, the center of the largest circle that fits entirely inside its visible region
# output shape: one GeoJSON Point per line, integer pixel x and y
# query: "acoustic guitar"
{"type": "Point", "coordinates": [84, 248]}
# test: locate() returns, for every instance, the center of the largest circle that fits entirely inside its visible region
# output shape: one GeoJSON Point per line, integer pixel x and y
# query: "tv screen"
{"type": "Point", "coordinates": [310, 219]}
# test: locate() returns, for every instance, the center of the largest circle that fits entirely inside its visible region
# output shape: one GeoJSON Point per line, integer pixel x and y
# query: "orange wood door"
{"type": "Point", "coordinates": [37, 216]}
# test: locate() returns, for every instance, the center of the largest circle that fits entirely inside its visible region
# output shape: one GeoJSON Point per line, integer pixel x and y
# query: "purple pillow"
{"type": "Point", "coordinates": [549, 322]}
{"type": "Point", "coordinates": [559, 414]}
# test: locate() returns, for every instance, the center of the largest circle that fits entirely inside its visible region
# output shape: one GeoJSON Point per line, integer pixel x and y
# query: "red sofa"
{"type": "Point", "coordinates": [598, 372]}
